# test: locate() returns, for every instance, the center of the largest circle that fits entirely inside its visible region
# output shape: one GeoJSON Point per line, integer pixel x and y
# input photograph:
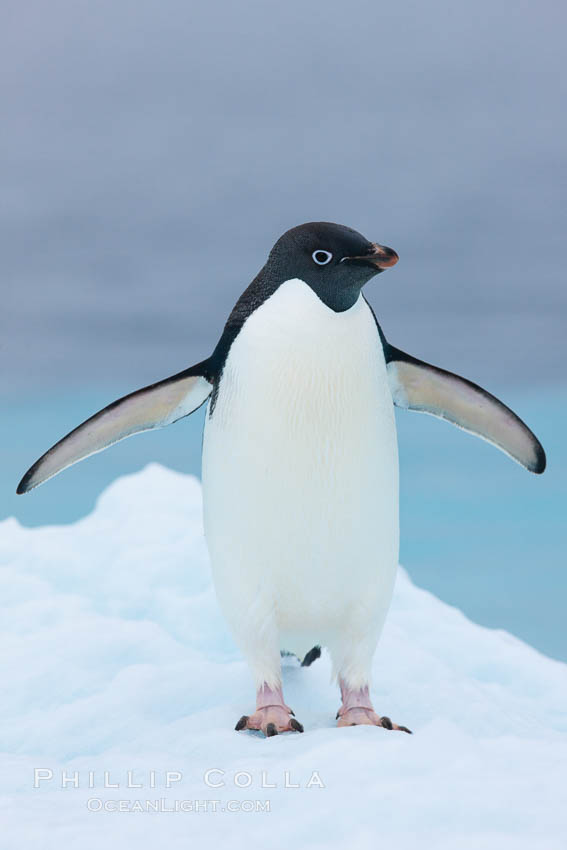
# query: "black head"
{"type": "Point", "coordinates": [335, 261]}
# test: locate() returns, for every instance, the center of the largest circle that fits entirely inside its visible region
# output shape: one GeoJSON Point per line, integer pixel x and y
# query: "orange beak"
{"type": "Point", "coordinates": [381, 257]}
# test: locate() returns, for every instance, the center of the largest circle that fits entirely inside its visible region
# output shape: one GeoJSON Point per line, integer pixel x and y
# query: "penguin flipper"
{"type": "Point", "coordinates": [416, 385]}
{"type": "Point", "coordinates": [154, 406]}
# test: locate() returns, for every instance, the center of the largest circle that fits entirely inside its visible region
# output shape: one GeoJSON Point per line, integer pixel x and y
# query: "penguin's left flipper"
{"type": "Point", "coordinates": [151, 407]}
{"type": "Point", "coordinates": [416, 385]}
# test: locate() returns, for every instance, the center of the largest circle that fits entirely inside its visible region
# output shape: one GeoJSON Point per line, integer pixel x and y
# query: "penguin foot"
{"type": "Point", "coordinates": [271, 720]}
{"type": "Point", "coordinates": [357, 710]}
{"type": "Point", "coordinates": [359, 716]}
{"type": "Point", "coordinates": [272, 715]}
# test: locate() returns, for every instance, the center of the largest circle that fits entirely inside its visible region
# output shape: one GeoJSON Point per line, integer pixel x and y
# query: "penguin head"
{"type": "Point", "coordinates": [335, 261]}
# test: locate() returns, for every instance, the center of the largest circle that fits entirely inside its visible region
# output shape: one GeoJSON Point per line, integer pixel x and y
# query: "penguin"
{"type": "Point", "coordinates": [300, 461]}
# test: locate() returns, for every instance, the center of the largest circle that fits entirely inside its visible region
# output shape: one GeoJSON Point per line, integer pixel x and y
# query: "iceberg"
{"type": "Point", "coordinates": [121, 686]}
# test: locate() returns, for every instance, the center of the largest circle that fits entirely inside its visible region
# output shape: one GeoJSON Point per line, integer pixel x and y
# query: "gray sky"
{"type": "Point", "coordinates": [151, 153]}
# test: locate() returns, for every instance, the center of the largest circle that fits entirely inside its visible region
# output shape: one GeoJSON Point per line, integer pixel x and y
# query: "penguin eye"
{"type": "Point", "coordinates": [322, 257]}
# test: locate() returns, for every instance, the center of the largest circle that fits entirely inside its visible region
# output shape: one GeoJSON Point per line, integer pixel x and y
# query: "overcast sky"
{"type": "Point", "coordinates": [151, 153]}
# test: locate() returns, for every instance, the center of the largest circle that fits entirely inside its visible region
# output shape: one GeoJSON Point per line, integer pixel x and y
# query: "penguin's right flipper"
{"type": "Point", "coordinates": [151, 407]}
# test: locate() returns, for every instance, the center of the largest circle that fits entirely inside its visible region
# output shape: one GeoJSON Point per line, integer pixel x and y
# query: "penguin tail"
{"type": "Point", "coordinates": [311, 656]}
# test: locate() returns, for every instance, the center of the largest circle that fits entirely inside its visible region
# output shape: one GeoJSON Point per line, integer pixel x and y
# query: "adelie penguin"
{"type": "Point", "coordinates": [300, 465]}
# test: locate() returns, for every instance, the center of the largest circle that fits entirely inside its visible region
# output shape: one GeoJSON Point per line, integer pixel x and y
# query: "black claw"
{"type": "Point", "coordinates": [271, 730]}
{"type": "Point", "coordinates": [292, 712]}
{"type": "Point", "coordinates": [405, 729]}
{"type": "Point", "coordinates": [338, 714]}
{"type": "Point", "coordinates": [242, 723]}
{"type": "Point", "coordinates": [296, 725]}
{"type": "Point", "coordinates": [386, 723]}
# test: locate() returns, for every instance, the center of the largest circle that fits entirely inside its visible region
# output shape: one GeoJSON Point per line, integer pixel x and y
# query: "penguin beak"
{"type": "Point", "coordinates": [383, 257]}
{"type": "Point", "coordinates": [380, 257]}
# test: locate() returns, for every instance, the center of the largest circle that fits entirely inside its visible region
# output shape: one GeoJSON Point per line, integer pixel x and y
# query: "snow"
{"type": "Point", "coordinates": [115, 658]}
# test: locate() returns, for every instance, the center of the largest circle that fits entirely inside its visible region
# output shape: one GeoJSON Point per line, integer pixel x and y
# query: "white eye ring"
{"type": "Point", "coordinates": [322, 257]}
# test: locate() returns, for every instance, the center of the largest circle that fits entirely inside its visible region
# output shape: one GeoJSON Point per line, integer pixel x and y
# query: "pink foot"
{"type": "Point", "coordinates": [272, 715]}
{"type": "Point", "coordinates": [357, 710]}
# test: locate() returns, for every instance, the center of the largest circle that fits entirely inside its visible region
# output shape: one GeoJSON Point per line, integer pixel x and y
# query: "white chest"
{"type": "Point", "coordinates": [300, 458]}
{"type": "Point", "coordinates": [305, 371]}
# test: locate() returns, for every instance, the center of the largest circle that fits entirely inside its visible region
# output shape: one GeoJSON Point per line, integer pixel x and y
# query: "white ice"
{"type": "Point", "coordinates": [115, 658]}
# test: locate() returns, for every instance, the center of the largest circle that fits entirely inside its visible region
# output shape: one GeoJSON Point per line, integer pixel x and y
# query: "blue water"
{"type": "Point", "coordinates": [477, 530]}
